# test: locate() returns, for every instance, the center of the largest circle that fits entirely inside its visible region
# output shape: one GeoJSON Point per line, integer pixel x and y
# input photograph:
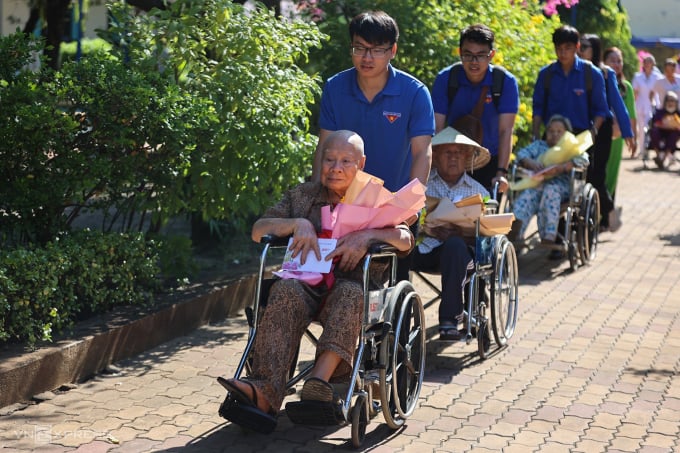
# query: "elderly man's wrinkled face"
{"type": "Point", "coordinates": [341, 161]}
{"type": "Point", "coordinates": [450, 160]}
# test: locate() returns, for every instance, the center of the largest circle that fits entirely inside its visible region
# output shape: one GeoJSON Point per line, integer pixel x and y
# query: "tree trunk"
{"type": "Point", "coordinates": [55, 11]}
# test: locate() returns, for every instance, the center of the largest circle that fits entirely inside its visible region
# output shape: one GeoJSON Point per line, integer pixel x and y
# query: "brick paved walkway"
{"type": "Point", "coordinates": [593, 367]}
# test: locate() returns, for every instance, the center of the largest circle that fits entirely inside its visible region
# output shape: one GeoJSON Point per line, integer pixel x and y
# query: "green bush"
{"type": "Point", "coordinates": [46, 289]}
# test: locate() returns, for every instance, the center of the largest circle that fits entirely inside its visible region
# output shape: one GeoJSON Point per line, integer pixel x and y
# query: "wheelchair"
{"type": "Point", "coordinates": [579, 218]}
{"type": "Point", "coordinates": [671, 157]}
{"type": "Point", "coordinates": [491, 289]}
{"type": "Point", "coordinates": [389, 359]}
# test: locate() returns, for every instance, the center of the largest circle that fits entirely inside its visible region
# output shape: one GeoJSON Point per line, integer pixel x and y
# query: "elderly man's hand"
{"type": "Point", "coordinates": [351, 249]}
{"type": "Point", "coordinates": [305, 240]}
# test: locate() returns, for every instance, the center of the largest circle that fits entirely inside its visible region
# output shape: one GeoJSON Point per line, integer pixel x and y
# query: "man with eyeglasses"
{"type": "Point", "coordinates": [475, 87]}
{"type": "Point", "coordinates": [390, 109]}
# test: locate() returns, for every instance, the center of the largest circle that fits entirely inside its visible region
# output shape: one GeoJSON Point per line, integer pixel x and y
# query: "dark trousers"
{"type": "Point", "coordinates": [597, 170]}
{"type": "Point", "coordinates": [452, 259]}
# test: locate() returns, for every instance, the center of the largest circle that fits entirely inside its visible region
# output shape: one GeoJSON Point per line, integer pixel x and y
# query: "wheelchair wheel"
{"type": "Point", "coordinates": [483, 339]}
{"type": "Point", "coordinates": [505, 292]}
{"type": "Point", "coordinates": [402, 356]}
{"type": "Point", "coordinates": [589, 224]}
{"type": "Point", "coordinates": [359, 419]}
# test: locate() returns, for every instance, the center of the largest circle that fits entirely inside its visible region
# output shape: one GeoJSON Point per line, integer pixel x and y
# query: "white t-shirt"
{"type": "Point", "coordinates": [663, 86]}
{"type": "Point", "coordinates": [642, 86]}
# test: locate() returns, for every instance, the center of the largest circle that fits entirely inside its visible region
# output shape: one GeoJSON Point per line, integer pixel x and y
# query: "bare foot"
{"type": "Point", "coordinates": [250, 391]}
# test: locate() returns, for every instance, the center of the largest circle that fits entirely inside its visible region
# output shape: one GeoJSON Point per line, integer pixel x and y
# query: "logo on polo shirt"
{"type": "Point", "coordinates": [579, 91]}
{"type": "Point", "coordinates": [392, 116]}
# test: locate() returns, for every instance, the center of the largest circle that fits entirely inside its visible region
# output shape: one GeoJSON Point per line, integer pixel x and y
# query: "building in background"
{"type": "Point", "coordinates": [655, 25]}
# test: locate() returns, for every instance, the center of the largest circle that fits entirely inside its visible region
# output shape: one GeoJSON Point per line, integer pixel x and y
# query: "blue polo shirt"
{"type": "Point", "coordinates": [467, 97]}
{"type": "Point", "coordinates": [568, 96]}
{"type": "Point", "coordinates": [401, 111]}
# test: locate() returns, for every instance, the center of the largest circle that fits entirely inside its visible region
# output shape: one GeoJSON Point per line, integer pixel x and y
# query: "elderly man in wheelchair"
{"type": "Point", "coordinates": [443, 249]}
{"type": "Point", "coordinates": [337, 302]}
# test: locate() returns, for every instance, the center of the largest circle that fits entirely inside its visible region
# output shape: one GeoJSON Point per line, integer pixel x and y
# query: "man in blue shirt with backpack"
{"type": "Point", "coordinates": [480, 100]}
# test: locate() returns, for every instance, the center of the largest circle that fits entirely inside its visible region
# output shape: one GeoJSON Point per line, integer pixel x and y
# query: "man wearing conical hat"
{"type": "Point", "coordinates": [444, 250]}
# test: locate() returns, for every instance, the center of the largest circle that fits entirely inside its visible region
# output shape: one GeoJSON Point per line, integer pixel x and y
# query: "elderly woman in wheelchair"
{"type": "Point", "coordinates": [545, 198]}
{"type": "Point", "coordinates": [337, 302]}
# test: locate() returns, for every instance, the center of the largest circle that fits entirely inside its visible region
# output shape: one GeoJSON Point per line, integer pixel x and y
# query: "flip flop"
{"type": "Point", "coordinates": [240, 409]}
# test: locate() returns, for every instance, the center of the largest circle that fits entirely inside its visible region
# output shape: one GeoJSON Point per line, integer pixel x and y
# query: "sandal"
{"type": "Point", "coordinates": [448, 331]}
{"type": "Point", "coordinates": [316, 389]}
{"type": "Point", "coordinates": [242, 410]}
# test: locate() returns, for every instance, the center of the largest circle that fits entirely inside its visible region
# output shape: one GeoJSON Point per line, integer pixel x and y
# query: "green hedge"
{"type": "Point", "coordinates": [46, 289]}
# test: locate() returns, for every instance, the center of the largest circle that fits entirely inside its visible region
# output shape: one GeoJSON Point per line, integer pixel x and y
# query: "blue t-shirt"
{"type": "Point", "coordinates": [467, 97]}
{"type": "Point", "coordinates": [401, 111]}
{"type": "Point", "coordinates": [568, 96]}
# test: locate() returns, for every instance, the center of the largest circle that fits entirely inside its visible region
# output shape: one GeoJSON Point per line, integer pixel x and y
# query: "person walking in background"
{"type": "Point", "coordinates": [486, 92]}
{"type": "Point", "coordinates": [645, 97]}
{"type": "Point", "coordinates": [669, 82]}
{"type": "Point", "coordinates": [613, 57]}
{"type": "Point", "coordinates": [591, 49]}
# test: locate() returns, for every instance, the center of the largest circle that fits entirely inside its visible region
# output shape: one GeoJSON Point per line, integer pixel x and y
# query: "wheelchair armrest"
{"type": "Point", "coordinates": [381, 247]}
{"type": "Point", "coordinates": [491, 206]}
{"type": "Point", "coordinates": [274, 241]}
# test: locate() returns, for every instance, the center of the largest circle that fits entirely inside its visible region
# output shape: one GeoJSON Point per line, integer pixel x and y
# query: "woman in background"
{"type": "Point", "coordinates": [613, 57]}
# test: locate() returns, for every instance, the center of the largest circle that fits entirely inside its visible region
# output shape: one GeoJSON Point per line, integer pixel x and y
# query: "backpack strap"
{"type": "Point", "coordinates": [498, 79]}
{"type": "Point", "coordinates": [453, 80]}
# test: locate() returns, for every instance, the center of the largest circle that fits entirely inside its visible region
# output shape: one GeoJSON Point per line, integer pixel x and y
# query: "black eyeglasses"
{"type": "Point", "coordinates": [376, 52]}
{"type": "Point", "coordinates": [470, 57]}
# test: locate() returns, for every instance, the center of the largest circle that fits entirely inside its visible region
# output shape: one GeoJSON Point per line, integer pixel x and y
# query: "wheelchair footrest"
{"type": "Point", "coordinates": [316, 413]}
{"type": "Point", "coordinates": [247, 416]}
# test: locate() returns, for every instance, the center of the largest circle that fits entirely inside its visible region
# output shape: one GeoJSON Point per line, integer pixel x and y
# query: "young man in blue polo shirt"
{"type": "Point", "coordinates": [567, 94]}
{"type": "Point", "coordinates": [475, 84]}
{"type": "Point", "coordinates": [388, 108]}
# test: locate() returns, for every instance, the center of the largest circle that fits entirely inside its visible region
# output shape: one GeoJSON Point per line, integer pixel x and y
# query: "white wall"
{"type": "Point", "coordinates": [653, 18]}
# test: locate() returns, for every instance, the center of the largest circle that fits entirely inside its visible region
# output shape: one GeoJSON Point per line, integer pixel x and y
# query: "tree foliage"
{"type": "Point", "coordinates": [253, 141]}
